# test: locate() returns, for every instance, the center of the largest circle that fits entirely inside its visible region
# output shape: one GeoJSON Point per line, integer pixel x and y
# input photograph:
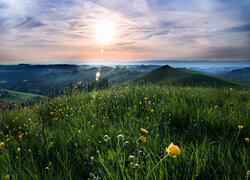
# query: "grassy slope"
{"type": "Point", "coordinates": [67, 131]}
{"type": "Point", "coordinates": [17, 97]}
{"type": "Point", "coordinates": [190, 78]}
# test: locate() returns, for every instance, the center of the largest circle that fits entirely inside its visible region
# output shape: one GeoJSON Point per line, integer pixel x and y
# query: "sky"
{"type": "Point", "coordinates": [68, 31]}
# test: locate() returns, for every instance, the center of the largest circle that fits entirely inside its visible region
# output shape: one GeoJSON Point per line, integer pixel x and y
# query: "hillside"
{"type": "Point", "coordinates": [51, 82]}
{"type": "Point", "coordinates": [238, 74]}
{"type": "Point", "coordinates": [175, 76]}
{"type": "Point", "coordinates": [18, 97]}
{"type": "Point", "coordinates": [98, 135]}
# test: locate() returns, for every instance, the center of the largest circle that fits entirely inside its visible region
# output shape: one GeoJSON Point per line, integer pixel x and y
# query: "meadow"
{"type": "Point", "coordinates": [98, 135]}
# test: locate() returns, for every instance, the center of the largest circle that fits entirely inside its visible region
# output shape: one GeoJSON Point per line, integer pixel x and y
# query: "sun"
{"type": "Point", "coordinates": [105, 32]}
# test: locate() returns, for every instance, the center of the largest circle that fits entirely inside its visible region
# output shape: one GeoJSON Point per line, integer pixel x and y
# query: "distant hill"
{"type": "Point", "coordinates": [18, 97]}
{"type": "Point", "coordinates": [238, 74]}
{"type": "Point", "coordinates": [39, 80]}
{"type": "Point", "coordinates": [176, 76]}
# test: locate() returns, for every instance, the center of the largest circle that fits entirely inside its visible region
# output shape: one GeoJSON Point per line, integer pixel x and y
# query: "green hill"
{"type": "Point", "coordinates": [175, 76]}
{"type": "Point", "coordinates": [18, 97]}
{"type": "Point", "coordinates": [97, 135]}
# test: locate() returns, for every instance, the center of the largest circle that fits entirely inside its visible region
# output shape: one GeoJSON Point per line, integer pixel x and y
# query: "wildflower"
{"type": "Point", "coordinates": [29, 119]}
{"type": "Point", "coordinates": [248, 174]}
{"type": "Point", "coordinates": [120, 137]}
{"type": "Point", "coordinates": [7, 126]}
{"type": "Point", "coordinates": [215, 106]}
{"type": "Point", "coordinates": [7, 176]}
{"type": "Point", "coordinates": [92, 126]}
{"type": "Point", "coordinates": [16, 118]}
{"type": "Point", "coordinates": [20, 136]}
{"type": "Point", "coordinates": [92, 158]}
{"type": "Point", "coordinates": [143, 138]}
{"type": "Point", "coordinates": [79, 131]}
{"type": "Point", "coordinates": [247, 139]}
{"type": "Point", "coordinates": [29, 150]}
{"type": "Point", "coordinates": [1, 144]}
{"type": "Point", "coordinates": [173, 150]}
{"type": "Point", "coordinates": [7, 139]}
{"type": "Point", "coordinates": [240, 127]}
{"type": "Point", "coordinates": [51, 113]}
{"type": "Point", "coordinates": [18, 149]}
{"type": "Point", "coordinates": [105, 140]}
{"type": "Point", "coordinates": [50, 163]}
{"type": "Point", "coordinates": [131, 158]}
{"type": "Point", "coordinates": [147, 118]}
{"type": "Point", "coordinates": [152, 111]}
{"type": "Point", "coordinates": [140, 102]}
{"type": "Point", "coordinates": [144, 131]}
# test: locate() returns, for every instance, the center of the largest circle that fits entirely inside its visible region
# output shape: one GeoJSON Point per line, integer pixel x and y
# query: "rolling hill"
{"type": "Point", "coordinates": [176, 76]}
{"type": "Point", "coordinates": [18, 97]}
{"type": "Point", "coordinates": [237, 74]}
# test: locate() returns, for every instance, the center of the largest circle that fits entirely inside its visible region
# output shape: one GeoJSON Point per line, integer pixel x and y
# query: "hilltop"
{"type": "Point", "coordinates": [177, 76]}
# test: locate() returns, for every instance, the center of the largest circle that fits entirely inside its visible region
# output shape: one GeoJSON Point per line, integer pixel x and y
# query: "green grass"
{"type": "Point", "coordinates": [18, 97]}
{"type": "Point", "coordinates": [184, 77]}
{"type": "Point", "coordinates": [68, 131]}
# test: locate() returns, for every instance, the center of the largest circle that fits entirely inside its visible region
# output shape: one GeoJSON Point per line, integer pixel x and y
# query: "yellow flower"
{"type": "Point", "coordinates": [173, 150]}
{"type": "Point", "coordinates": [50, 163]}
{"type": "Point", "coordinates": [19, 149]}
{"type": "Point", "coordinates": [1, 144]}
{"type": "Point", "coordinates": [215, 106]}
{"type": "Point", "coordinates": [152, 111]}
{"type": "Point", "coordinates": [79, 131]}
{"type": "Point", "coordinates": [7, 139]}
{"type": "Point", "coordinates": [144, 131]}
{"type": "Point", "coordinates": [51, 113]}
{"type": "Point", "coordinates": [147, 118]}
{"type": "Point", "coordinates": [92, 126]}
{"type": "Point", "coordinates": [29, 150]}
{"type": "Point", "coordinates": [92, 158]}
{"type": "Point", "coordinates": [247, 139]}
{"type": "Point", "coordinates": [240, 127]}
{"type": "Point", "coordinates": [7, 176]}
{"type": "Point", "coordinates": [105, 140]}
{"type": "Point", "coordinates": [143, 138]}
{"type": "Point", "coordinates": [248, 174]}
{"type": "Point", "coordinates": [20, 136]}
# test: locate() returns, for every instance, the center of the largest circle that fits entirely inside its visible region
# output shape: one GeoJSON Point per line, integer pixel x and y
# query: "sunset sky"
{"type": "Point", "coordinates": [79, 31]}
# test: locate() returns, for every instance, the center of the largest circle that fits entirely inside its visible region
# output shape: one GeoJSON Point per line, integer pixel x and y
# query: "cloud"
{"type": "Point", "coordinates": [146, 29]}
{"type": "Point", "coordinates": [30, 22]}
{"type": "Point", "coordinates": [244, 28]}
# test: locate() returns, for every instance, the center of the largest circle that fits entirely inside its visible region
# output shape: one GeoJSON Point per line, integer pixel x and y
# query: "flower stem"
{"type": "Point", "coordinates": [148, 176]}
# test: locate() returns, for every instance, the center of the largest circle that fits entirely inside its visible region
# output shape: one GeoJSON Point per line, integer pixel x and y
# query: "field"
{"type": "Point", "coordinates": [97, 135]}
{"type": "Point", "coordinates": [18, 97]}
